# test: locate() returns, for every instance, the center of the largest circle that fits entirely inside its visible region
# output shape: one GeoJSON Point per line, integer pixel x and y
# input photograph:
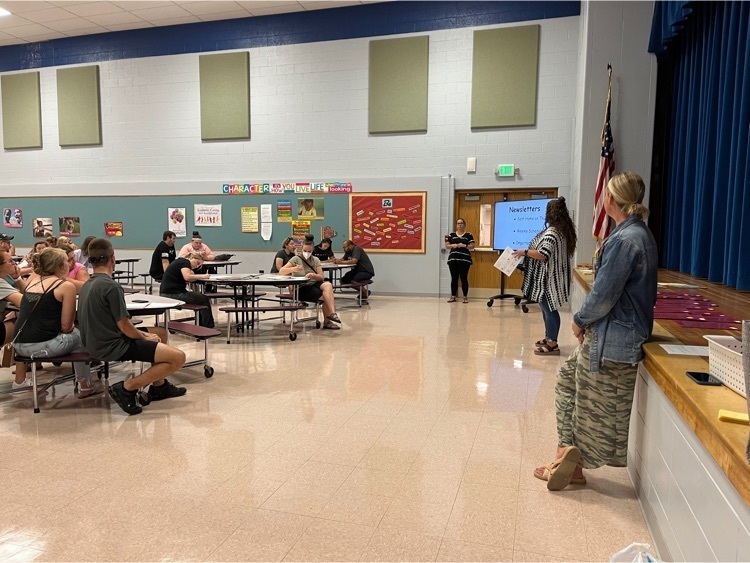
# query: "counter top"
{"type": "Point", "coordinates": [699, 404]}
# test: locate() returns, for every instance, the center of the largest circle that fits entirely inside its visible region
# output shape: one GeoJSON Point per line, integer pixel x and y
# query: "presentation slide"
{"type": "Point", "coordinates": [517, 222]}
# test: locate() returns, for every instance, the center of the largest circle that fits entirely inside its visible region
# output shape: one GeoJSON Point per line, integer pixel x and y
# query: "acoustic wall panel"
{"type": "Point", "coordinates": [22, 111]}
{"type": "Point", "coordinates": [504, 77]}
{"type": "Point", "coordinates": [79, 109]}
{"type": "Point", "coordinates": [398, 85]}
{"type": "Point", "coordinates": [225, 96]}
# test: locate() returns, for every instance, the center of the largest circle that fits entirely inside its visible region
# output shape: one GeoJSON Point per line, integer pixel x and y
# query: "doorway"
{"type": "Point", "coordinates": [477, 207]}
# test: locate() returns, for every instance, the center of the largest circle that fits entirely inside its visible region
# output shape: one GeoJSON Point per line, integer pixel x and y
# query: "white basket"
{"type": "Point", "coordinates": [725, 362]}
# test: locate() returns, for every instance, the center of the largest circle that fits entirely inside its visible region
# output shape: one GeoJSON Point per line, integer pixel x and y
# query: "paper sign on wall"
{"type": "Point", "coordinates": [176, 221]}
{"type": "Point", "coordinates": [207, 215]}
{"type": "Point", "coordinates": [249, 219]}
{"type": "Point", "coordinates": [113, 228]}
{"type": "Point", "coordinates": [284, 211]}
{"type": "Point", "coordinates": [299, 230]}
{"type": "Point", "coordinates": [12, 218]}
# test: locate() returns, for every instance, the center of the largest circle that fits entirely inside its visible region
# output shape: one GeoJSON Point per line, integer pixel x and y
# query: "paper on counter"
{"type": "Point", "coordinates": [265, 230]}
{"type": "Point", "coordinates": [507, 262]}
{"type": "Point", "coordinates": [685, 350]}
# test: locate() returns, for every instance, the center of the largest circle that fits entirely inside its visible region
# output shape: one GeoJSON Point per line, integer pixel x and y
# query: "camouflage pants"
{"type": "Point", "coordinates": [593, 409]}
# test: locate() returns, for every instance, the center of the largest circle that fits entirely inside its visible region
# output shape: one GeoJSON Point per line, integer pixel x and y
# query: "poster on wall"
{"type": "Point", "coordinates": [300, 229]}
{"type": "Point", "coordinates": [176, 220]}
{"type": "Point", "coordinates": [12, 218]}
{"type": "Point", "coordinates": [249, 219]}
{"type": "Point", "coordinates": [310, 208]}
{"type": "Point", "coordinates": [207, 215]}
{"type": "Point", "coordinates": [284, 211]}
{"type": "Point", "coordinates": [70, 226]}
{"type": "Point", "coordinates": [113, 228]}
{"type": "Point", "coordinates": [43, 227]}
{"type": "Point", "coordinates": [388, 222]}
{"type": "Point", "coordinates": [327, 232]}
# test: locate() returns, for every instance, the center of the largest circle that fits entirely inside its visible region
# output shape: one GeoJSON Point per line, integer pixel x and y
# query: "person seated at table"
{"type": "Point", "coordinates": [77, 273]}
{"type": "Point", "coordinates": [82, 254]}
{"type": "Point", "coordinates": [28, 269]}
{"type": "Point", "coordinates": [174, 285]}
{"type": "Point", "coordinates": [323, 251]}
{"type": "Point", "coordinates": [308, 266]}
{"type": "Point", "coordinates": [196, 245]}
{"type": "Point", "coordinates": [65, 241]}
{"type": "Point", "coordinates": [164, 254]}
{"type": "Point", "coordinates": [51, 240]}
{"type": "Point", "coordinates": [108, 335]}
{"type": "Point", "coordinates": [363, 269]}
{"type": "Point", "coordinates": [288, 249]}
{"type": "Point", "coordinates": [45, 325]}
{"type": "Point", "coordinates": [11, 292]}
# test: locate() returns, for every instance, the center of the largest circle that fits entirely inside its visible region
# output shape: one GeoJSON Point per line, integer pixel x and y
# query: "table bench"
{"type": "Point", "coordinates": [355, 285]}
{"type": "Point", "coordinates": [199, 333]}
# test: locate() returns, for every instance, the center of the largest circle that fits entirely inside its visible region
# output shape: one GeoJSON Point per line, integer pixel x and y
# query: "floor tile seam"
{"type": "Point", "coordinates": [208, 558]}
{"type": "Point", "coordinates": [374, 528]}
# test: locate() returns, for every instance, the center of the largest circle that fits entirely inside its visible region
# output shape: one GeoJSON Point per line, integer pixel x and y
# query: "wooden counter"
{"type": "Point", "coordinates": [699, 405]}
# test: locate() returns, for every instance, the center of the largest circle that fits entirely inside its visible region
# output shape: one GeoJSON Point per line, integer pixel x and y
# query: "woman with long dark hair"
{"type": "Point", "coordinates": [547, 278]}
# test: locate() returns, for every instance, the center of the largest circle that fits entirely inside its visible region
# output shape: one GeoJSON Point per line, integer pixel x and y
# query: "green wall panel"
{"type": "Point", "coordinates": [22, 111]}
{"type": "Point", "coordinates": [398, 85]}
{"type": "Point", "coordinates": [79, 112]}
{"type": "Point", "coordinates": [504, 78]}
{"type": "Point", "coordinates": [225, 96]}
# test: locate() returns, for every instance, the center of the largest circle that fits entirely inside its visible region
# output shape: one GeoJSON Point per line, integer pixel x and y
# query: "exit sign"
{"type": "Point", "coordinates": [506, 170]}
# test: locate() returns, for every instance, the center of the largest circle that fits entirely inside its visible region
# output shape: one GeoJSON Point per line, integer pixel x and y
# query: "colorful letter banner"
{"type": "Point", "coordinates": [287, 188]}
{"type": "Point", "coordinates": [389, 222]}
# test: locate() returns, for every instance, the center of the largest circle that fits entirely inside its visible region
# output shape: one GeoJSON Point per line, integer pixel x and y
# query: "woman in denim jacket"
{"type": "Point", "coordinates": [594, 392]}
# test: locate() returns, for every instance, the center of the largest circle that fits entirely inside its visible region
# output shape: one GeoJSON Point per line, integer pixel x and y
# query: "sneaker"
{"type": "Point", "coordinates": [166, 391]}
{"type": "Point", "coordinates": [89, 388]}
{"type": "Point", "coordinates": [126, 399]}
{"type": "Point", "coordinates": [25, 383]}
{"type": "Point", "coordinates": [334, 317]}
{"type": "Point", "coordinates": [331, 325]}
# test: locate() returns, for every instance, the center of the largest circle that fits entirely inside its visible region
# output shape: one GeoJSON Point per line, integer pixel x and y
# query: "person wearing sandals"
{"type": "Point", "coordinates": [309, 266]}
{"type": "Point", "coordinates": [460, 243]}
{"type": "Point", "coordinates": [45, 325]}
{"type": "Point", "coordinates": [595, 386]}
{"type": "Point", "coordinates": [547, 276]}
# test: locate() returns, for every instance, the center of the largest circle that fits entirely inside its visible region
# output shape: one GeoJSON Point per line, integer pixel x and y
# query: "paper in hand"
{"type": "Point", "coordinates": [507, 263]}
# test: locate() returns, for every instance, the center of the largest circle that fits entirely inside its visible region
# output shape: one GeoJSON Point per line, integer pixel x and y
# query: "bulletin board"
{"type": "Point", "coordinates": [145, 218]}
{"type": "Point", "coordinates": [392, 222]}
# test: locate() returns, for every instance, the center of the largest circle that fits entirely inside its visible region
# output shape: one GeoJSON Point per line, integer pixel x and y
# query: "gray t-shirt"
{"type": "Point", "coordinates": [297, 261]}
{"type": "Point", "coordinates": [101, 304]}
{"type": "Point", "coordinates": [363, 260]}
{"type": "Point", "coordinates": [5, 290]}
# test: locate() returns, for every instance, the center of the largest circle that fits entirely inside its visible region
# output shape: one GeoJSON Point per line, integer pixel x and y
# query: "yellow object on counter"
{"type": "Point", "coordinates": [731, 416]}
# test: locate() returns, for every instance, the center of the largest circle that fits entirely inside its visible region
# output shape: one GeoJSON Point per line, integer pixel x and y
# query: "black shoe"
{"type": "Point", "coordinates": [166, 391]}
{"type": "Point", "coordinates": [126, 399]}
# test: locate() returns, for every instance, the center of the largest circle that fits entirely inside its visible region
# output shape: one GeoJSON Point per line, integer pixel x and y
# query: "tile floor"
{"type": "Point", "coordinates": [410, 435]}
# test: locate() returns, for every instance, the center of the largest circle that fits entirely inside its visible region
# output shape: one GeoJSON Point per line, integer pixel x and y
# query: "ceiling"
{"type": "Point", "coordinates": [32, 21]}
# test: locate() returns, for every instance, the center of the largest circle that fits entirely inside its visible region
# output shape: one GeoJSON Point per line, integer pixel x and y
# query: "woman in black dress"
{"type": "Point", "coordinates": [460, 243]}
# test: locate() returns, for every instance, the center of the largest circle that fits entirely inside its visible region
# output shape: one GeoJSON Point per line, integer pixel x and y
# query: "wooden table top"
{"type": "Point", "coordinates": [699, 404]}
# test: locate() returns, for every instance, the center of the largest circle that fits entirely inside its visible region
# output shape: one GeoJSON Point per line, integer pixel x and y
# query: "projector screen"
{"type": "Point", "coordinates": [517, 222]}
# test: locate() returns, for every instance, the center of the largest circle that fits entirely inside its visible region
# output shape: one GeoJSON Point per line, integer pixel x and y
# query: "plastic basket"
{"type": "Point", "coordinates": [725, 362]}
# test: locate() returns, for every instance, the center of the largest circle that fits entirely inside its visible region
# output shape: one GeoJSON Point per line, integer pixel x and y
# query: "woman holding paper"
{"type": "Point", "coordinates": [547, 277]}
{"type": "Point", "coordinates": [460, 243]}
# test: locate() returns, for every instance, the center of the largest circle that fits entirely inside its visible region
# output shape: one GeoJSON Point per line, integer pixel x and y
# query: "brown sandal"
{"type": "Point", "coordinates": [547, 350]}
{"type": "Point", "coordinates": [542, 342]}
{"type": "Point", "coordinates": [452, 299]}
{"type": "Point", "coordinates": [543, 473]}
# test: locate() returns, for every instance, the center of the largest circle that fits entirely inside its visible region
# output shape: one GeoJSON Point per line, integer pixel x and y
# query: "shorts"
{"type": "Point", "coordinates": [2, 329]}
{"type": "Point", "coordinates": [140, 350]}
{"type": "Point", "coordinates": [310, 293]}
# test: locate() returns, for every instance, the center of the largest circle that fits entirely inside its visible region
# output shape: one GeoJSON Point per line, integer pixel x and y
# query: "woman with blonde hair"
{"type": "Point", "coordinates": [45, 325]}
{"type": "Point", "coordinates": [594, 391]}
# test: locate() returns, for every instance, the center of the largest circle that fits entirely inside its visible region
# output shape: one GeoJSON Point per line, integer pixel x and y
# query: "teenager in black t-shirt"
{"type": "Point", "coordinates": [323, 251]}
{"type": "Point", "coordinates": [174, 284]}
{"type": "Point", "coordinates": [164, 254]}
{"type": "Point", "coordinates": [288, 249]}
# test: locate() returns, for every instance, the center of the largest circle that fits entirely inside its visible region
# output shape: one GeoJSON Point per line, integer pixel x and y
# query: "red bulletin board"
{"type": "Point", "coordinates": [388, 222]}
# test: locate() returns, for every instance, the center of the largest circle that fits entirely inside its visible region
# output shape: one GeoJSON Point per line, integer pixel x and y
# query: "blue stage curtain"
{"type": "Point", "coordinates": [707, 200]}
{"type": "Point", "coordinates": [669, 18]}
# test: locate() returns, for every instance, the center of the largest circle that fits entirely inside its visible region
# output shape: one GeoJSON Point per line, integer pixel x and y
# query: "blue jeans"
{"type": "Point", "coordinates": [551, 319]}
{"type": "Point", "coordinates": [61, 345]}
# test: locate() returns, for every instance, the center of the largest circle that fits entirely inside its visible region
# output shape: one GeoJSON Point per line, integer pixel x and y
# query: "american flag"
{"type": "Point", "coordinates": [606, 169]}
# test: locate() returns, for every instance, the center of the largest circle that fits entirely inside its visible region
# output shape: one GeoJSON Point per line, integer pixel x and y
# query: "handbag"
{"type": "Point", "coordinates": [7, 357]}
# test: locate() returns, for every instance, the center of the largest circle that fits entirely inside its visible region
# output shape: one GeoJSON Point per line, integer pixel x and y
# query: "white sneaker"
{"type": "Point", "coordinates": [26, 383]}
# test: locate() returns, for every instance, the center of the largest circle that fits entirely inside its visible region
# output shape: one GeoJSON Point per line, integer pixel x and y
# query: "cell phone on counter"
{"type": "Point", "coordinates": [703, 378]}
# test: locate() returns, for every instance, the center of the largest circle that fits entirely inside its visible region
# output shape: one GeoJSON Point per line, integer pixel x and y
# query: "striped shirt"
{"type": "Point", "coordinates": [550, 276]}
{"type": "Point", "coordinates": [460, 254]}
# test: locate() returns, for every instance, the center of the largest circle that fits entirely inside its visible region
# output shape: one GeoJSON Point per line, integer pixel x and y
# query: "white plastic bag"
{"type": "Point", "coordinates": [635, 553]}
